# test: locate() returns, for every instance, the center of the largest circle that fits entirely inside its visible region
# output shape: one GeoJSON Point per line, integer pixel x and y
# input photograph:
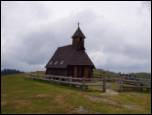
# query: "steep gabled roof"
{"type": "Point", "coordinates": [78, 33]}
{"type": "Point", "coordinates": [68, 55]}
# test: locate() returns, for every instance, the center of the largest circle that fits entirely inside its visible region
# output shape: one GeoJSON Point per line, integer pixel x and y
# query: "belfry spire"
{"type": "Point", "coordinates": [78, 39]}
{"type": "Point", "coordinates": [78, 33]}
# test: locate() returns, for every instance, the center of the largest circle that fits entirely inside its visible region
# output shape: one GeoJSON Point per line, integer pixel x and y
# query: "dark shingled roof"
{"type": "Point", "coordinates": [68, 55]}
{"type": "Point", "coordinates": [78, 33]}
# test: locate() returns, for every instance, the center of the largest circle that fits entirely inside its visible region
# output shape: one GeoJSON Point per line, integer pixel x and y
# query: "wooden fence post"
{"type": "Point", "coordinates": [70, 80]}
{"type": "Point", "coordinates": [83, 84]}
{"type": "Point", "coordinates": [37, 74]}
{"type": "Point", "coordinates": [104, 84]}
{"type": "Point", "coordinates": [121, 84]}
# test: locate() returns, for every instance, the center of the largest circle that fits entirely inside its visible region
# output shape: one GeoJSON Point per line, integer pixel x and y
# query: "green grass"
{"type": "Point", "coordinates": [22, 95]}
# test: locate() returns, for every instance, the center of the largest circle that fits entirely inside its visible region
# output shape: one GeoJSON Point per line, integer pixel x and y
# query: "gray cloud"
{"type": "Point", "coordinates": [117, 39]}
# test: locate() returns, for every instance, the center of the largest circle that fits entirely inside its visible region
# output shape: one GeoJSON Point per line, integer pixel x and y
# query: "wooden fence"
{"type": "Point", "coordinates": [82, 82]}
{"type": "Point", "coordinates": [134, 84]}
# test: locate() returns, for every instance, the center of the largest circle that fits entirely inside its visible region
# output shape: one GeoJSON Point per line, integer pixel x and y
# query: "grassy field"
{"type": "Point", "coordinates": [22, 95]}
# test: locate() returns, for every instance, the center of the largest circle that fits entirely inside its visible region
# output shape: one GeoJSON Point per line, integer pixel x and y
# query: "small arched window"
{"type": "Point", "coordinates": [51, 62]}
{"type": "Point", "coordinates": [56, 62]}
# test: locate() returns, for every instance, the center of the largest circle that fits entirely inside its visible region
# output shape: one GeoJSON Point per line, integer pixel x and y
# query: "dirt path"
{"type": "Point", "coordinates": [109, 90]}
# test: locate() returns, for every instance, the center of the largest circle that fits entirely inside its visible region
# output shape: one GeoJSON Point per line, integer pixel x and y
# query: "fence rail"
{"type": "Point", "coordinates": [136, 84]}
{"type": "Point", "coordinates": [82, 82]}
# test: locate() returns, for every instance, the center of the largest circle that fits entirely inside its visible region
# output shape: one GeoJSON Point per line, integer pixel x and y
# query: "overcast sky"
{"type": "Point", "coordinates": [118, 34]}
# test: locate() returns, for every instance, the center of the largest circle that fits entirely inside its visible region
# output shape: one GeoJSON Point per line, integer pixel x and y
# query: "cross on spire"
{"type": "Point", "coordinates": [78, 24]}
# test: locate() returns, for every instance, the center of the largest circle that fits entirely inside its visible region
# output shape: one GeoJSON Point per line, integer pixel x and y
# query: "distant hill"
{"type": "Point", "coordinates": [106, 73]}
{"type": "Point", "coordinates": [101, 72]}
{"type": "Point", "coordinates": [97, 73]}
{"type": "Point", "coordinates": [10, 71]}
{"type": "Point", "coordinates": [142, 74]}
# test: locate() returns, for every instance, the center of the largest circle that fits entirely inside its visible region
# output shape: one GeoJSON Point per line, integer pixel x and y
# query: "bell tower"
{"type": "Point", "coordinates": [78, 39]}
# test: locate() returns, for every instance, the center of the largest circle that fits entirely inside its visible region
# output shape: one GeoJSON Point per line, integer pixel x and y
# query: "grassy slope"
{"type": "Point", "coordinates": [22, 95]}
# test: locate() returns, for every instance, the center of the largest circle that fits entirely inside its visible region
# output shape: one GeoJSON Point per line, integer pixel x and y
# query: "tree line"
{"type": "Point", "coordinates": [10, 71]}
